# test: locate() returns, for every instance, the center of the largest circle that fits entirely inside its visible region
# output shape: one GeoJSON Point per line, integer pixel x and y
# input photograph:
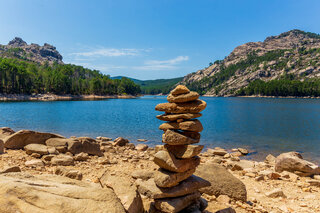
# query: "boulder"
{"type": "Point", "coordinates": [163, 178]}
{"type": "Point", "coordinates": [222, 182]}
{"type": "Point", "coordinates": [276, 193]}
{"type": "Point", "coordinates": [5, 131]}
{"type": "Point", "coordinates": [86, 145]}
{"type": "Point", "coordinates": [189, 107]}
{"type": "Point", "coordinates": [180, 89]}
{"type": "Point", "coordinates": [194, 126]}
{"type": "Point", "coordinates": [167, 161]}
{"type": "Point", "coordinates": [21, 192]}
{"type": "Point", "coordinates": [125, 190]}
{"type": "Point", "coordinates": [293, 162]}
{"type": "Point", "coordinates": [36, 148]}
{"type": "Point", "coordinates": [174, 205]}
{"type": "Point", "coordinates": [172, 137]}
{"type": "Point", "coordinates": [62, 160]}
{"type": "Point", "coordinates": [120, 141]}
{"type": "Point", "coordinates": [73, 174]}
{"type": "Point", "coordinates": [1, 146]}
{"type": "Point", "coordinates": [188, 186]}
{"type": "Point", "coordinates": [58, 142]}
{"type": "Point", "coordinates": [174, 117]}
{"type": "Point", "coordinates": [217, 151]}
{"type": "Point", "coordinates": [22, 138]}
{"type": "Point", "coordinates": [191, 96]}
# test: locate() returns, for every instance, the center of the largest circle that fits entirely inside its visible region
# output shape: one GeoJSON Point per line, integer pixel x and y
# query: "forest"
{"type": "Point", "coordinates": [285, 86]}
{"type": "Point", "coordinates": [22, 77]}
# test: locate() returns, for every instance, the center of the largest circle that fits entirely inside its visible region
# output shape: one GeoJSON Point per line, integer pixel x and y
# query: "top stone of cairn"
{"type": "Point", "coordinates": [180, 89]}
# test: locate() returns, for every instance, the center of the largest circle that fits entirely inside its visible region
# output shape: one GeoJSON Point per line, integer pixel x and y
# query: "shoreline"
{"type": "Point", "coordinates": [261, 96]}
{"type": "Point", "coordinates": [54, 97]}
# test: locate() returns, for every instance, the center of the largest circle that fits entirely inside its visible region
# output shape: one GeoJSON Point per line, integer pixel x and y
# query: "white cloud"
{"type": "Point", "coordinates": [162, 64]}
{"type": "Point", "coordinates": [110, 52]}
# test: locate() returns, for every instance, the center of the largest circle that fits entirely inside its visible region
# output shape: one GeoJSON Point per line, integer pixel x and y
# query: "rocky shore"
{"type": "Point", "coordinates": [54, 97]}
{"type": "Point", "coordinates": [103, 175]}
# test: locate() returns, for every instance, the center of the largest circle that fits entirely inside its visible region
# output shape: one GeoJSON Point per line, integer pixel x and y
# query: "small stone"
{"type": "Point", "coordinates": [189, 107]}
{"type": "Point", "coordinates": [166, 179]}
{"type": "Point", "coordinates": [243, 151]}
{"type": "Point", "coordinates": [142, 140]}
{"type": "Point", "coordinates": [175, 205]}
{"type": "Point", "coordinates": [176, 117]}
{"type": "Point", "coordinates": [194, 126]}
{"type": "Point", "coordinates": [120, 141]}
{"type": "Point", "coordinates": [180, 138]}
{"type": "Point", "coordinates": [182, 98]}
{"type": "Point", "coordinates": [188, 186]}
{"type": "Point", "coordinates": [47, 157]}
{"type": "Point", "coordinates": [273, 176]}
{"type": "Point", "coordinates": [167, 161]}
{"type": "Point", "coordinates": [180, 89]}
{"type": "Point", "coordinates": [141, 147]}
{"type": "Point", "coordinates": [316, 177]}
{"type": "Point", "coordinates": [270, 159]}
{"type": "Point", "coordinates": [181, 151]}
{"type": "Point", "coordinates": [34, 163]}
{"type": "Point", "coordinates": [81, 157]}
{"type": "Point", "coordinates": [62, 160]}
{"type": "Point", "coordinates": [217, 151]}
{"type": "Point", "coordinates": [276, 193]}
{"type": "Point", "coordinates": [35, 155]}
{"type": "Point", "coordinates": [52, 150]}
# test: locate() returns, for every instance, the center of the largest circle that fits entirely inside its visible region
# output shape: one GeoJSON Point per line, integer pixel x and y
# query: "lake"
{"type": "Point", "coordinates": [263, 125]}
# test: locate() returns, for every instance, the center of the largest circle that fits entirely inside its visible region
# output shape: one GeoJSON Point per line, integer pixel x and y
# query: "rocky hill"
{"type": "Point", "coordinates": [260, 68]}
{"type": "Point", "coordinates": [17, 48]}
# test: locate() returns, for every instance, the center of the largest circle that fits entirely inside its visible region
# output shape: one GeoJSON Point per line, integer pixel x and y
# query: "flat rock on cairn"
{"type": "Point", "coordinates": [174, 187]}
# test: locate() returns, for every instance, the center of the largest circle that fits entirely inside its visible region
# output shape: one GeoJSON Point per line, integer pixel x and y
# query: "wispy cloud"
{"type": "Point", "coordinates": [162, 64]}
{"type": "Point", "coordinates": [110, 52]}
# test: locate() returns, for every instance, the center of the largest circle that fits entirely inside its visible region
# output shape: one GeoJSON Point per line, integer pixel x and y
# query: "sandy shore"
{"type": "Point", "coordinates": [53, 97]}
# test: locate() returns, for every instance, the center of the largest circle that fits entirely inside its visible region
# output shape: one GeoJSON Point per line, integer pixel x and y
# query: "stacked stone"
{"type": "Point", "coordinates": [177, 158]}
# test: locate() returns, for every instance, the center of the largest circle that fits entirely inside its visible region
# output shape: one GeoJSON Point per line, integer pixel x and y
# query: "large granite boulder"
{"type": "Point", "coordinates": [86, 145]}
{"type": "Point", "coordinates": [125, 190]}
{"type": "Point", "coordinates": [20, 192]}
{"type": "Point", "coordinates": [293, 162]}
{"type": "Point", "coordinates": [22, 138]}
{"type": "Point", "coordinates": [222, 182]}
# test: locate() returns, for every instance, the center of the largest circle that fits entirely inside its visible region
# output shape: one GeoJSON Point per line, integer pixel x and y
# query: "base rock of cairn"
{"type": "Point", "coordinates": [174, 188]}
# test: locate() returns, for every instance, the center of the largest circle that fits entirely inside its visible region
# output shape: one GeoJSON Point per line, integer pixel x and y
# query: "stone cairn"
{"type": "Point", "coordinates": [175, 188]}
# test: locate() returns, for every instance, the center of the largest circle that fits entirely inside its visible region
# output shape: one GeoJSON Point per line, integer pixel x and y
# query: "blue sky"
{"type": "Point", "coordinates": [151, 39]}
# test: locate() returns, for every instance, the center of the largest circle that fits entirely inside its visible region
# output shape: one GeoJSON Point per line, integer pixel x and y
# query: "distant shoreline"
{"type": "Point", "coordinates": [54, 97]}
{"type": "Point", "coordinates": [261, 96]}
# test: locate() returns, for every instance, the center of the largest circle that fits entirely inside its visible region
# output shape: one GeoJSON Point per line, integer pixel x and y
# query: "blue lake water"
{"type": "Point", "coordinates": [263, 125]}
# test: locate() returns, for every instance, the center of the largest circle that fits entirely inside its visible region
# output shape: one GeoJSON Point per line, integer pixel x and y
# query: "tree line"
{"type": "Point", "coordinates": [21, 77]}
{"type": "Point", "coordinates": [282, 87]}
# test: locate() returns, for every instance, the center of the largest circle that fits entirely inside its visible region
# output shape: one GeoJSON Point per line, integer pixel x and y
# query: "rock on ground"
{"type": "Point", "coordinates": [222, 182]}
{"type": "Point", "coordinates": [22, 138]}
{"type": "Point", "coordinates": [293, 162]}
{"type": "Point", "coordinates": [125, 190]}
{"type": "Point", "coordinates": [1, 146]}
{"type": "Point", "coordinates": [20, 192]}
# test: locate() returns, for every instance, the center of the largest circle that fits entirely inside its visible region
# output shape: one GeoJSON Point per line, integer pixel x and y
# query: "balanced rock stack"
{"type": "Point", "coordinates": [178, 159]}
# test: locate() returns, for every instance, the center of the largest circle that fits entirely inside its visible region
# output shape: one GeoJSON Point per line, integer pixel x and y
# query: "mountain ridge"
{"type": "Point", "coordinates": [295, 53]}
